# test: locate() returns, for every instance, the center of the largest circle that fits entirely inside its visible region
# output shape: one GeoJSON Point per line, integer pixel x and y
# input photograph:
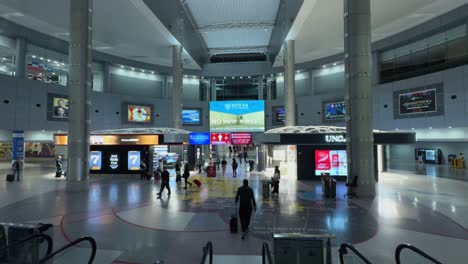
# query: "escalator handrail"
{"type": "Point", "coordinates": [343, 252]}
{"type": "Point", "coordinates": [266, 253]}
{"type": "Point", "coordinates": [50, 242]}
{"type": "Point", "coordinates": [400, 248]}
{"type": "Point", "coordinates": [207, 251]}
{"type": "Point", "coordinates": [71, 244]}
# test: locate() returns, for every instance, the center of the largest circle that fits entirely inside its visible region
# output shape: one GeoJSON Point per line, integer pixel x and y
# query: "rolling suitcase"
{"type": "Point", "coordinates": [266, 189]}
{"type": "Point", "coordinates": [197, 182]}
{"type": "Point", "coordinates": [58, 174]}
{"type": "Point", "coordinates": [10, 177]}
{"type": "Point", "coordinates": [332, 183]}
{"type": "Point", "coordinates": [233, 222]}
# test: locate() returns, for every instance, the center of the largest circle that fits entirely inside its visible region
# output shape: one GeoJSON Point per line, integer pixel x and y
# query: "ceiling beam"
{"type": "Point", "coordinates": [234, 50]}
{"type": "Point", "coordinates": [237, 25]}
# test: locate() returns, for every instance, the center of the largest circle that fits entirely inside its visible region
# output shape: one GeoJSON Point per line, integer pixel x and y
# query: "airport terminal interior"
{"type": "Point", "coordinates": [233, 131]}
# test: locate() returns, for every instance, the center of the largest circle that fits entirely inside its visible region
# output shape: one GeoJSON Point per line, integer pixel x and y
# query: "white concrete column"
{"type": "Point", "coordinates": [79, 88]}
{"type": "Point", "coordinates": [106, 84]}
{"type": "Point", "coordinates": [260, 88]}
{"type": "Point", "coordinates": [177, 86]}
{"type": "Point", "coordinates": [20, 58]}
{"type": "Point", "coordinates": [358, 68]}
{"type": "Point", "coordinates": [289, 88]}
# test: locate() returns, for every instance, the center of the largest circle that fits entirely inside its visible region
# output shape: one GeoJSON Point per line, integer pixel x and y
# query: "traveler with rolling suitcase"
{"type": "Point", "coordinates": [17, 168]}
{"type": "Point", "coordinates": [177, 171]}
{"type": "Point", "coordinates": [58, 165]}
{"type": "Point", "coordinates": [246, 199]}
{"type": "Point", "coordinates": [233, 221]}
{"type": "Point", "coordinates": [186, 176]}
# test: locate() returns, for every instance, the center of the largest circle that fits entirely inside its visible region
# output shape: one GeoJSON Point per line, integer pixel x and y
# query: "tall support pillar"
{"type": "Point", "coordinates": [20, 58]}
{"type": "Point", "coordinates": [289, 88]}
{"type": "Point", "coordinates": [106, 86]}
{"type": "Point", "coordinates": [358, 67]}
{"type": "Point", "coordinates": [79, 88]}
{"type": "Point", "coordinates": [177, 86]}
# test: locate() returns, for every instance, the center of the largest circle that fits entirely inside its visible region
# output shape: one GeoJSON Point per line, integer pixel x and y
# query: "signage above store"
{"type": "Point", "coordinates": [62, 140]}
{"type": "Point", "coordinates": [220, 138]}
{"type": "Point", "coordinates": [335, 138]}
{"type": "Point", "coordinates": [199, 138]}
{"type": "Point", "coordinates": [240, 138]}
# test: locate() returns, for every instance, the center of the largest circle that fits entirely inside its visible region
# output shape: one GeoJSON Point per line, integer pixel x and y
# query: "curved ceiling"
{"type": "Point", "coordinates": [318, 28]}
{"type": "Point", "coordinates": [120, 27]}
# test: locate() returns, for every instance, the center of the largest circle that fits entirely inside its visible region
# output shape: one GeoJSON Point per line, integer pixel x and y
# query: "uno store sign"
{"type": "Point", "coordinates": [241, 138]}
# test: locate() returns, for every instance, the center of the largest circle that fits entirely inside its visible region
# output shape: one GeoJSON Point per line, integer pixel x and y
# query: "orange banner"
{"type": "Point", "coordinates": [62, 140]}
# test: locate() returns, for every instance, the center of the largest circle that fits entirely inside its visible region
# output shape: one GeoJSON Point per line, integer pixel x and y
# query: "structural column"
{"type": "Point", "coordinates": [79, 87]}
{"type": "Point", "coordinates": [106, 87]}
{"type": "Point", "coordinates": [176, 86]}
{"type": "Point", "coordinates": [20, 58]}
{"type": "Point", "coordinates": [358, 67]}
{"type": "Point", "coordinates": [289, 88]}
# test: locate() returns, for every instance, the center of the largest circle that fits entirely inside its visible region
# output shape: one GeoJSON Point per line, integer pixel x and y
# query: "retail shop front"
{"type": "Point", "coordinates": [122, 153]}
{"type": "Point", "coordinates": [307, 152]}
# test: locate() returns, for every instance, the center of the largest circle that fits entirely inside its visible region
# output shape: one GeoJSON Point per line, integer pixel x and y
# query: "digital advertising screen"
{"type": "Point", "coordinates": [134, 160]}
{"type": "Point", "coordinates": [199, 138]}
{"type": "Point", "coordinates": [95, 160]}
{"type": "Point", "coordinates": [114, 160]}
{"type": "Point", "coordinates": [237, 116]}
{"type": "Point", "coordinates": [279, 115]}
{"type": "Point", "coordinates": [191, 117]}
{"type": "Point", "coordinates": [335, 111]}
{"type": "Point", "coordinates": [430, 154]}
{"type": "Point", "coordinates": [240, 138]}
{"type": "Point", "coordinates": [139, 114]}
{"type": "Point", "coordinates": [331, 161]}
{"type": "Point", "coordinates": [418, 102]}
{"type": "Point", "coordinates": [57, 107]}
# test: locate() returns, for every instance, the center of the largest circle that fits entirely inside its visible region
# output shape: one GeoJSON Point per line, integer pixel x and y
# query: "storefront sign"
{"type": "Point", "coordinates": [202, 138]}
{"type": "Point", "coordinates": [241, 138]}
{"type": "Point", "coordinates": [18, 145]}
{"type": "Point", "coordinates": [62, 140]}
{"type": "Point", "coordinates": [114, 161]}
{"type": "Point", "coordinates": [335, 138]}
{"type": "Point", "coordinates": [220, 138]}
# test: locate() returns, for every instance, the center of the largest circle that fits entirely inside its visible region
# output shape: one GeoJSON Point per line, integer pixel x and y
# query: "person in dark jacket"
{"type": "Point", "coordinates": [178, 165]}
{"type": "Point", "coordinates": [165, 182]}
{"type": "Point", "coordinates": [17, 167]}
{"type": "Point", "coordinates": [58, 165]}
{"type": "Point", "coordinates": [246, 199]}
{"type": "Point", "coordinates": [234, 168]}
{"type": "Point", "coordinates": [186, 175]}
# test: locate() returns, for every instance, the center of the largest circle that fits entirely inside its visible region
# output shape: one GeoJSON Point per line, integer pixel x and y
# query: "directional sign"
{"type": "Point", "coordinates": [220, 138]}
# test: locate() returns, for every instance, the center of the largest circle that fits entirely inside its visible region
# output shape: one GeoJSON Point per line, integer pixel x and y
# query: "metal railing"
{"type": "Point", "coordinates": [207, 252]}
{"type": "Point", "coordinates": [50, 242]}
{"type": "Point", "coordinates": [91, 241]}
{"type": "Point", "coordinates": [266, 255]}
{"type": "Point", "coordinates": [344, 251]}
{"type": "Point", "coordinates": [414, 249]}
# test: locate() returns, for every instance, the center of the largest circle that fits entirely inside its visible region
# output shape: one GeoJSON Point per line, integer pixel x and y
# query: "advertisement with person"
{"type": "Point", "coordinates": [39, 149]}
{"type": "Point", "coordinates": [331, 161]}
{"type": "Point", "coordinates": [237, 116]}
{"type": "Point", "coordinates": [139, 114]}
{"type": "Point", "coordinates": [134, 160]}
{"type": "Point", "coordinates": [423, 101]}
{"type": "Point", "coordinates": [95, 160]}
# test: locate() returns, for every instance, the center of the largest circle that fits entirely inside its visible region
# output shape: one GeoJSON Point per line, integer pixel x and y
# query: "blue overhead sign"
{"type": "Point", "coordinates": [200, 138]}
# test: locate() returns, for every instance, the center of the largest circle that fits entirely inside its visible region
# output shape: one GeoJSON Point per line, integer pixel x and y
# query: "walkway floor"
{"type": "Point", "coordinates": [131, 225]}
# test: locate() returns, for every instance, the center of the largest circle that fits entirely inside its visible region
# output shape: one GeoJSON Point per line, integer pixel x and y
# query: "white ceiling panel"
{"type": "Point", "coordinates": [237, 38]}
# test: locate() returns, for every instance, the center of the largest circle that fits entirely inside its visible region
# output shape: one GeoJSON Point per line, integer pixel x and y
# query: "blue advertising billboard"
{"type": "Point", "coordinates": [237, 116]}
{"type": "Point", "coordinates": [95, 160]}
{"type": "Point", "coordinates": [199, 138]}
{"type": "Point", "coordinates": [134, 159]}
{"type": "Point", "coordinates": [191, 116]}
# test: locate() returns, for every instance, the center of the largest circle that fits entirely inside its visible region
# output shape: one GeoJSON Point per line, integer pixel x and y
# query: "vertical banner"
{"type": "Point", "coordinates": [134, 160]}
{"type": "Point", "coordinates": [18, 145]}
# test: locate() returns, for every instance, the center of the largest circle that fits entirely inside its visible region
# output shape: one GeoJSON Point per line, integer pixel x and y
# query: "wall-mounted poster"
{"type": "Point", "coordinates": [423, 101]}
{"type": "Point", "coordinates": [114, 161]}
{"type": "Point", "coordinates": [191, 117]}
{"type": "Point", "coordinates": [139, 114]}
{"type": "Point", "coordinates": [134, 160]}
{"type": "Point", "coordinates": [278, 115]}
{"type": "Point", "coordinates": [331, 161]}
{"type": "Point", "coordinates": [237, 116]}
{"type": "Point", "coordinates": [334, 111]}
{"type": "Point", "coordinates": [57, 107]}
{"type": "Point", "coordinates": [95, 160]}
{"type": "Point", "coordinates": [39, 149]}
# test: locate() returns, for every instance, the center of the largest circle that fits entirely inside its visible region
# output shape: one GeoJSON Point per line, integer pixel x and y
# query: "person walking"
{"type": "Point", "coordinates": [177, 171]}
{"type": "Point", "coordinates": [223, 166]}
{"type": "Point", "coordinates": [245, 156]}
{"type": "Point", "coordinates": [239, 156]}
{"type": "Point", "coordinates": [275, 180]}
{"type": "Point", "coordinates": [234, 168]}
{"type": "Point", "coordinates": [246, 199]}
{"type": "Point", "coordinates": [17, 167]}
{"type": "Point", "coordinates": [200, 163]}
{"type": "Point", "coordinates": [218, 161]}
{"type": "Point", "coordinates": [164, 182]}
{"type": "Point", "coordinates": [58, 166]}
{"type": "Point", "coordinates": [186, 175]}
{"type": "Point", "coordinates": [143, 170]}
{"type": "Point", "coordinates": [230, 151]}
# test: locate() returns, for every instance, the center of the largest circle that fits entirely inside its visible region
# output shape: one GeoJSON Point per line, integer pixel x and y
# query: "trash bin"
{"type": "Point", "coordinates": [266, 188]}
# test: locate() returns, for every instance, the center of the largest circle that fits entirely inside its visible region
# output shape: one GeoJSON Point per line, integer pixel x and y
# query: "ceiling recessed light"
{"type": "Point", "coordinates": [412, 128]}
{"type": "Point", "coordinates": [430, 127]}
{"type": "Point", "coordinates": [241, 77]}
{"type": "Point", "coordinates": [48, 60]}
{"type": "Point", "coordinates": [203, 77]}
{"type": "Point", "coordinates": [272, 75]}
{"type": "Point", "coordinates": [185, 76]}
{"type": "Point", "coordinates": [142, 70]}
{"type": "Point", "coordinates": [249, 77]}
{"type": "Point", "coordinates": [43, 130]}
{"type": "Point", "coordinates": [334, 64]}
{"type": "Point", "coordinates": [63, 64]}
{"type": "Point", "coordinates": [324, 66]}
{"type": "Point", "coordinates": [41, 58]}
{"type": "Point", "coordinates": [450, 127]}
{"type": "Point", "coordinates": [233, 77]}
{"type": "Point", "coordinates": [224, 77]}
{"type": "Point", "coordinates": [34, 56]}
{"type": "Point", "coordinates": [133, 69]}
{"type": "Point", "coordinates": [152, 72]}
{"type": "Point", "coordinates": [396, 129]}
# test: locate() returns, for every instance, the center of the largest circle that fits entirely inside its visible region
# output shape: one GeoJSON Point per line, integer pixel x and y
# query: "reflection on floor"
{"type": "Point", "coordinates": [131, 225]}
